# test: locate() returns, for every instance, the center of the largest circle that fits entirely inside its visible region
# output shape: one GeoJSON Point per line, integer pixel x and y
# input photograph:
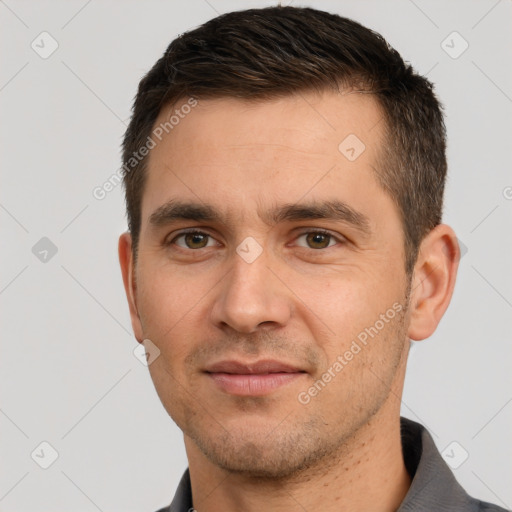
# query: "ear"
{"type": "Point", "coordinates": [433, 281]}
{"type": "Point", "coordinates": [127, 270]}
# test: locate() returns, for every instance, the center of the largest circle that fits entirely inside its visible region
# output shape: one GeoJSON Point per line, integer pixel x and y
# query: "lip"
{"type": "Point", "coordinates": [258, 367]}
{"type": "Point", "coordinates": [252, 379]}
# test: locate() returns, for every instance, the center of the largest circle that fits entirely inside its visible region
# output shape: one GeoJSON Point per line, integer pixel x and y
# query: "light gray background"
{"type": "Point", "coordinates": [68, 374]}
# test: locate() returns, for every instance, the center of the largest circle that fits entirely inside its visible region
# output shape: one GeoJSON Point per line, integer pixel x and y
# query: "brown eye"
{"type": "Point", "coordinates": [318, 240]}
{"type": "Point", "coordinates": [193, 240]}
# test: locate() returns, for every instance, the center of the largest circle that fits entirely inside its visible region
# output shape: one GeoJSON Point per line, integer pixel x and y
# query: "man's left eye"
{"type": "Point", "coordinates": [318, 240]}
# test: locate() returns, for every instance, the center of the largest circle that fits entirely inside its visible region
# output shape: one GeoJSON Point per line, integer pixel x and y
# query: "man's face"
{"type": "Point", "coordinates": [253, 313]}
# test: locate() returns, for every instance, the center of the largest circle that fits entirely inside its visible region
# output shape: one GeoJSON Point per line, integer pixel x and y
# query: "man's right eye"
{"type": "Point", "coordinates": [192, 240]}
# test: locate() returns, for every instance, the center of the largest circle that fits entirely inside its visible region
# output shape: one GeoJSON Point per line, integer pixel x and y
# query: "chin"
{"type": "Point", "coordinates": [264, 455]}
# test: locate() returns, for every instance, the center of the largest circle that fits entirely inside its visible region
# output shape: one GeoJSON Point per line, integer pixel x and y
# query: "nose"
{"type": "Point", "coordinates": [251, 297]}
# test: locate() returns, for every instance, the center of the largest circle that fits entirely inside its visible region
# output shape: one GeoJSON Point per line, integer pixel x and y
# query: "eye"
{"type": "Point", "coordinates": [193, 240]}
{"type": "Point", "coordinates": [318, 239]}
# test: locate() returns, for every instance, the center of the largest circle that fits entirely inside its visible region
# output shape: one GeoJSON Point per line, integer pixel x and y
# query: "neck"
{"type": "Point", "coordinates": [368, 473]}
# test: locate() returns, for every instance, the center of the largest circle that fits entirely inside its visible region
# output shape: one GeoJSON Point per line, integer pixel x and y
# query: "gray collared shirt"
{"type": "Point", "coordinates": [433, 487]}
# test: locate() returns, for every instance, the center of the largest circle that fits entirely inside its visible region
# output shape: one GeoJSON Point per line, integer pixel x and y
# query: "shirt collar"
{"type": "Point", "coordinates": [433, 485]}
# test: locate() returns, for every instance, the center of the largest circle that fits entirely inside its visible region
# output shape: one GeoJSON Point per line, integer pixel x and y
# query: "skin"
{"type": "Point", "coordinates": [302, 301]}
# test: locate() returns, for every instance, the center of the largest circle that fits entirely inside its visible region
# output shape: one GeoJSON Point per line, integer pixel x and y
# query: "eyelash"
{"type": "Point", "coordinates": [194, 231]}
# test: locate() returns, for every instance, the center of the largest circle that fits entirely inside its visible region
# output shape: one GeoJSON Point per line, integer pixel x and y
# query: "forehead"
{"type": "Point", "coordinates": [303, 120]}
{"type": "Point", "coordinates": [239, 154]}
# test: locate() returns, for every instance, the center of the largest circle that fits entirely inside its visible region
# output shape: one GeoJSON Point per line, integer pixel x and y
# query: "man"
{"type": "Point", "coordinates": [284, 174]}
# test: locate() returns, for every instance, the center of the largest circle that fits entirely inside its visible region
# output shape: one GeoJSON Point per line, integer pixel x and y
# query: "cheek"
{"type": "Point", "coordinates": [341, 305]}
{"type": "Point", "coordinates": [169, 387]}
{"type": "Point", "coordinates": [175, 305]}
{"type": "Point", "coordinates": [165, 300]}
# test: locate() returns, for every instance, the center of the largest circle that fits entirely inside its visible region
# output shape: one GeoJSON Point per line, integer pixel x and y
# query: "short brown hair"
{"type": "Point", "coordinates": [259, 54]}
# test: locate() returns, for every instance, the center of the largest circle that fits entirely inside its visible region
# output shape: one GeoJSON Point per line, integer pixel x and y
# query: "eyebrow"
{"type": "Point", "coordinates": [334, 210]}
{"type": "Point", "coordinates": [178, 210]}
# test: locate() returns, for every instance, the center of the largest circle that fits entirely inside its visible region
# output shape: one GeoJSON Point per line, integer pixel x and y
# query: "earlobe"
{"type": "Point", "coordinates": [433, 281]}
{"type": "Point", "coordinates": [127, 271]}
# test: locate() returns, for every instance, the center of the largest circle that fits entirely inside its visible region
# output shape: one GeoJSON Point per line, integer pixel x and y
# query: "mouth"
{"type": "Point", "coordinates": [252, 379]}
